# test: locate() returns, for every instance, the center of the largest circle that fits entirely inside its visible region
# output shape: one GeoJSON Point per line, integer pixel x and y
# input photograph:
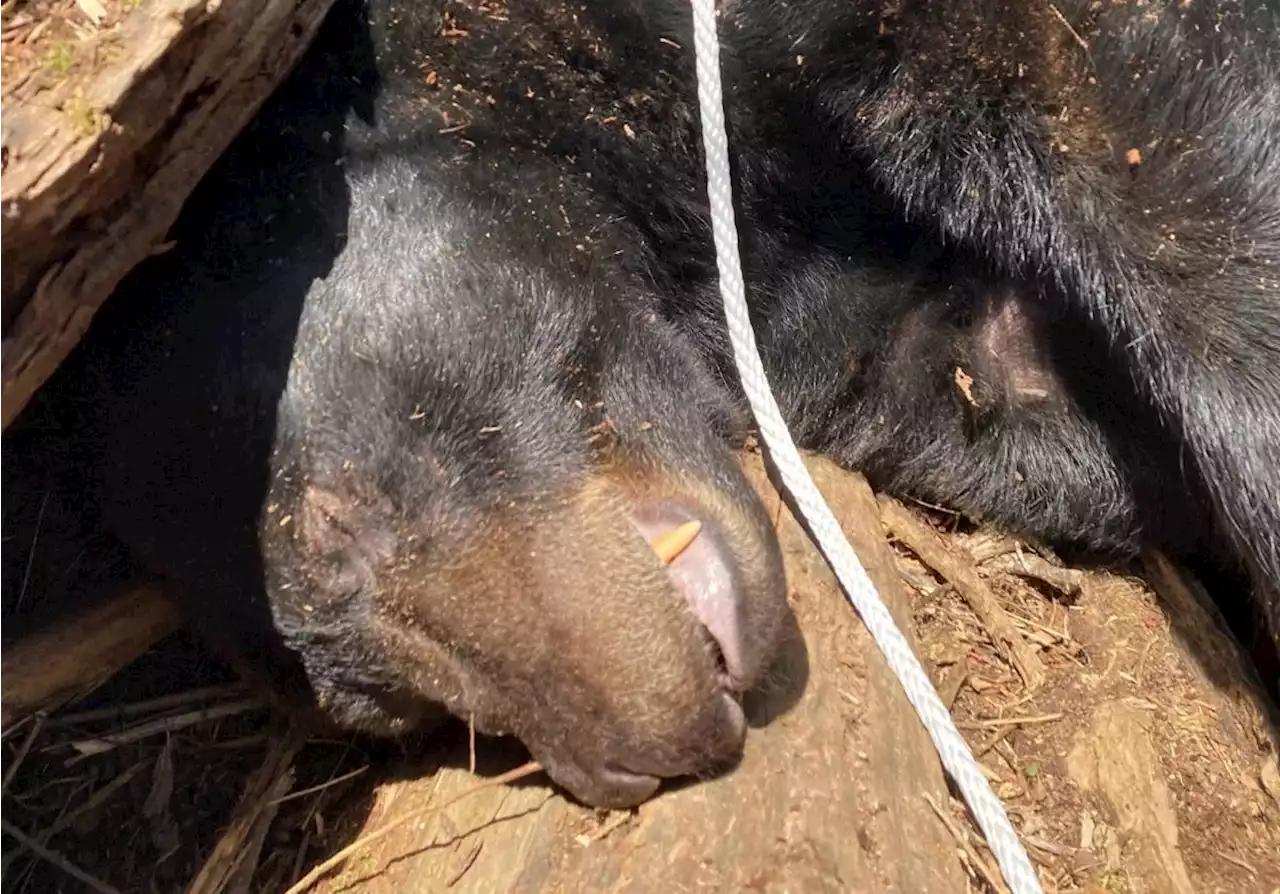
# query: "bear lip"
{"type": "Point", "coordinates": [703, 573]}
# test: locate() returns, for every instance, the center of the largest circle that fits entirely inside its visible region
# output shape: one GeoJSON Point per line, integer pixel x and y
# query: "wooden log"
{"type": "Point", "coordinates": [831, 796]}
{"type": "Point", "coordinates": [98, 165]}
{"type": "Point", "coordinates": [75, 654]}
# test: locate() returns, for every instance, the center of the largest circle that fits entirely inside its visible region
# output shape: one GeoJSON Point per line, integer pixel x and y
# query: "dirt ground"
{"type": "Point", "coordinates": [46, 42]}
{"type": "Point", "coordinates": [1190, 803]}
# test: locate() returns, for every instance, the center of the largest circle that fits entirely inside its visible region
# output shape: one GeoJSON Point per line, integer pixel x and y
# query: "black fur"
{"type": "Point", "coordinates": [440, 338]}
{"type": "Point", "coordinates": [1123, 156]}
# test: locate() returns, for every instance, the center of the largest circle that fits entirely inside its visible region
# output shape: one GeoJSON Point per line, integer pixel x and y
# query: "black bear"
{"type": "Point", "coordinates": [1119, 163]}
{"type": "Point", "coordinates": [438, 352]}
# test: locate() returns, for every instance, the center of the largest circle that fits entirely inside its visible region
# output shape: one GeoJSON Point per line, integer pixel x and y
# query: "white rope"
{"type": "Point", "coordinates": [956, 758]}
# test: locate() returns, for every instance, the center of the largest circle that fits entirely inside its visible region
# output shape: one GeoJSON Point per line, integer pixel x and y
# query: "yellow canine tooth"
{"type": "Point", "coordinates": [674, 542]}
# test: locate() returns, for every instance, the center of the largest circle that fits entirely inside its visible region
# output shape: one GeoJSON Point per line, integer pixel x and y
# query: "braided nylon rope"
{"type": "Point", "coordinates": [986, 807]}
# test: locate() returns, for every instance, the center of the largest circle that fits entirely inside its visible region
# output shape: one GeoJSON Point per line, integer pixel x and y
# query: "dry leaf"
{"type": "Point", "coordinates": [1269, 775]}
{"type": "Point", "coordinates": [93, 10]}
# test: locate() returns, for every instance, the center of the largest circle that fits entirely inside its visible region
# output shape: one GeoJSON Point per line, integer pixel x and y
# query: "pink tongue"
{"type": "Point", "coordinates": [704, 576]}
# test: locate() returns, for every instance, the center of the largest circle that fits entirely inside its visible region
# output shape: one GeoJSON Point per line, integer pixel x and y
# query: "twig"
{"type": "Point", "coordinates": [1142, 660]}
{"type": "Point", "coordinates": [102, 744]}
{"type": "Point", "coordinates": [1001, 722]}
{"type": "Point", "coordinates": [55, 859]}
{"type": "Point", "coordinates": [21, 755]}
{"type": "Point", "coordinates": [995, 740]}
{"type": "Point", "coordinates": [1067, 581]}
{"type": "Point", "coordinates": [300, 857]}
{"type": "Point", "coordinates": [1238, 862]}
{"type": "Point", "coordinates": [1056, 635]}
{"type": "Point", "coordinates": [242, 839]}
{"type": "Point", "coordinates": [1050, 847]}
{"type": "Point", "coordinates": [1084, 45]}
{"type": "Point", "coordinates": [148, 706]}
{"type": "Point", "coordinates": [31, 550]}
{"type": "Point", "coordinates": [962, 840]}
{"type": "Point", "coordinates": [396, 822]}
{"type": "Point", "coordinates": [95, 800]}
{"type": "Point", "coordinates": [338, 780]}
{"type": "Point", "coordinates": [471, 744]}
{"type": "Point", "coordinates": [620, 819]}
{"type": "Point", "coordinates": [250, 741]}
{"type": "Point", "coordinates": [960, 572]}
{"type": "Point", "coordinates": [18, 724]}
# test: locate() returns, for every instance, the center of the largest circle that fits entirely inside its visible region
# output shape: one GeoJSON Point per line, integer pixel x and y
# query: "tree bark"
{"type": "Point", "coordinates": [98, 166]}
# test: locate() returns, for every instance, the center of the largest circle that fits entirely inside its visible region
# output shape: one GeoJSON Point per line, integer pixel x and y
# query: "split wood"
{"type": "Point", "coordinates": [961, 573]}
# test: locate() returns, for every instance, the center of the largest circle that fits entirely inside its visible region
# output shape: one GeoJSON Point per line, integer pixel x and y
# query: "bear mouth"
{"type": "Point", "coordinates": [701, 568]}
